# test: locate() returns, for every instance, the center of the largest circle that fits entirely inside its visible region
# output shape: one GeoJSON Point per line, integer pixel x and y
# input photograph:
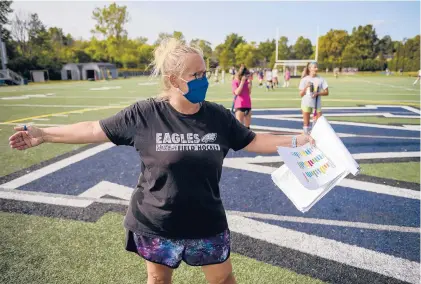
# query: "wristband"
{"type": "Point", "coordinates": [294, 142]}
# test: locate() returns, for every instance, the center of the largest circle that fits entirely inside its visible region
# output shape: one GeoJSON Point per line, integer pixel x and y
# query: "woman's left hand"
{"type": "Point", "coordinates": [314, 95]}
{"type": "Point", "coordinates": [303, 139]}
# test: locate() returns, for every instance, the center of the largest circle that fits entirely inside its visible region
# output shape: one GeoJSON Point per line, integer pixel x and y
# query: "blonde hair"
{"type": "Point", "coordinates": [306, 71]}
{"type": "Point", "coordinates": [169, 59]}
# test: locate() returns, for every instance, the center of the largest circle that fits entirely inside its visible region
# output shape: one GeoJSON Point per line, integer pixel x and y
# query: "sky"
{"type": "Point", "coordinates": [255, 21]}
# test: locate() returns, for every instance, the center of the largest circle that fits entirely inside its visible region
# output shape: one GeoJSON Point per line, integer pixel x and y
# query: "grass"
{"type": "Point", "coordinates": [48, 250]}
{"type": "Point", "coordinates": [398, 171]}
{"type": "Point", "coordinates": [378, 120]}
{"type": "Point", "coordinates": [13, 161]}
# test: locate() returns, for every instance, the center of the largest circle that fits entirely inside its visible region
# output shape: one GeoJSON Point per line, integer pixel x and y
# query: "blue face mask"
{"type": "Point", "coordinates": [197, 90]}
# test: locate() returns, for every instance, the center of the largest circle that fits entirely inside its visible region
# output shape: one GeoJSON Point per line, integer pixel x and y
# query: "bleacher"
{"type": "Point", "coordinates": [9, 77]}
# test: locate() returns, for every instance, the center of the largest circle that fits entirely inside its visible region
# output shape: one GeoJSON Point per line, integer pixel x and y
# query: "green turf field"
{"type": "Point", "coordinates": [65, 103]}
{"type": "Point", "coordinates": [378, 120]}
{"type": "Point", "coordinates": [409, 171]}
{"type": "Point", "coordinates": [34, 248]}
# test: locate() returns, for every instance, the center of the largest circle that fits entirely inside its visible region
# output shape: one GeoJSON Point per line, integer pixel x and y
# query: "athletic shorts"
{"type": "Point", "coordinates": [246, 110]}
{"type": "Point", "coordinates": [310, 109]}
{"type": "Point", "coordinates": [194, 252]}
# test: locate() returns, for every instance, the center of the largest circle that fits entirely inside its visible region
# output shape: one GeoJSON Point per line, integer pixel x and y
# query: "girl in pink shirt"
{"type": "Point", "coordinates": [241, 88]}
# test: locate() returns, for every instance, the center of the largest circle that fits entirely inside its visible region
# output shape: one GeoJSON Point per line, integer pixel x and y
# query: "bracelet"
{"type": "Point", "coordinates": [294, 141]}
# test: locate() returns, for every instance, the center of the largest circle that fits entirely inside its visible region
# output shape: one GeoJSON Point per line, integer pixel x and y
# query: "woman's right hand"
{"type": "Point", "coordinates": [24, 139]}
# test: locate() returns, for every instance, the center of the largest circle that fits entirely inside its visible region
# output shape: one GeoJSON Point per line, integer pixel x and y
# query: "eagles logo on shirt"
{"type": "Point", "coordinates": [209, 138]}
{"type": "Point", "coordinates": [186, 142]}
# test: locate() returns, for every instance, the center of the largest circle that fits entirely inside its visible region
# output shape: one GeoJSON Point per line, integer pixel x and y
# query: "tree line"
{"type": "Point", "coordinates": [31, 45]}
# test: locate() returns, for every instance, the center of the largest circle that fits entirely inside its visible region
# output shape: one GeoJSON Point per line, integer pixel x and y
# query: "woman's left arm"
{"type": "Point", "coordinates": [266, 143]}
{"type": "Point", "coordinates": [325, 92]}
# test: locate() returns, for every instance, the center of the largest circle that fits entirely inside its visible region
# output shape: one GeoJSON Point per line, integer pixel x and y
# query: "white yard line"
{"type": "Point", "coordinates": [386, 85]}
{"type": "Point", "coordinates": [41, 119]}
{"type": "Point", "coordinates": [47, 106]}
{"type": "Point", "coordinates": [31, 123]}
{"type": "Point", "coordinates": [327, 222]}
{"type": "Point", "coordinates": [341, 135]}
{"type": "Point", "coordinates": [347, 254]}
{"type": "Point", "coordinates": [248, 165]}
{"type": "Point", "coordinates": [389, 115]}
{"type": "Point", "coordinates": [240, 222]}
{"type": "Point", "coordinates": [20, 181]}
{"type": "Point", "coordinates": [277, 117]}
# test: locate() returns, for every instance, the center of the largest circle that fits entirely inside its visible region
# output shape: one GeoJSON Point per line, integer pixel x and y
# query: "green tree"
{"type": "Point", "coordinates": [204, 45]}
{"type": "Point", "coordinates": [109, 24]}
{"type": "Point", "coordinates": [5, 10]}
{"type": "Point", "coordinates": [225, 51]}
{"type": "Point", "coordinates": [246, 53]}
{"type": "Point", "coordinates": [37, 33]}
{"type": "Point", "coordinates": [110, 21]}
{"type": "Point", "coordinates": [385, 45]}
{"type": "Point", "coordinates": [161, 37]}
{"type": "Point", "coordinates": [19, 33]}
{"type": "Point", "coordinates": [179, 35]}
{"type": "Point", "coordinates": [145, 55]}
{"type": "Point", "coordinates": [362, 44]}
{"type": "Point", "coordinates": [266, 52]}
{"type": "Point", "coordinates": [303, 48]}
{"type": "Point", "coordinates": [176, 34]}
{"type": "Point", "coordinates": [331, 48]}
{"type": "Point", "coordinates": [284, 51]}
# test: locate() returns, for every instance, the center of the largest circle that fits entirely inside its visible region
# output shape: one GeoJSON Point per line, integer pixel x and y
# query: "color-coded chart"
{"type": "Point", "coordinates": [311, 162]}
{"type": "Point", "coordinates": [304, 153]}
{"type": "Point", "coordinates": [320, 170]}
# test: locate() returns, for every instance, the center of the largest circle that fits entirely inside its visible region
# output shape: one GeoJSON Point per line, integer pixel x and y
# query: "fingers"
{"type": "Point", "coordinates": [19, 128]}
{"type": "Point", "coordinates": [17, 144]}
{"type": "Point", "coordinates": [27, 139]}
{"type": "Point", "coordinates": [20, 141]}
{"type": "Point", "coordinates": [16, 136]}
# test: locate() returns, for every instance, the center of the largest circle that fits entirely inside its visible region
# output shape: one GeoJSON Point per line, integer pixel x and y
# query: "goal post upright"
{"type": "Point", "coordinates": [317, 45]}
{"type": "Point", "coordinates": [277, 44]}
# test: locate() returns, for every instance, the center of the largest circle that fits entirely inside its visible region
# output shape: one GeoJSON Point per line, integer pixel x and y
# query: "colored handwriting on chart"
{"type": "Point", "coordinates": [320, 170]}
{"type": "Point", "coordinates": [304, 153]}
{"type": "Point", "coordinates": [310, 163]}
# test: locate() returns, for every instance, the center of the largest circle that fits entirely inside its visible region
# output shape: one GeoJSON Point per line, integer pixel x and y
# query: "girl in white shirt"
{"type": "Point", "coordinates": [312, 87]}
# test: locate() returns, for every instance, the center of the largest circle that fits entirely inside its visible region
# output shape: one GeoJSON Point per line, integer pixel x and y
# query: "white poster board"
{"type": "Point", "coordinates": [309, 172]}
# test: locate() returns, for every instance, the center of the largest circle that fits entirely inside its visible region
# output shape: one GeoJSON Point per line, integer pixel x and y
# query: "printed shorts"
{"type": "Point", "coordinates": [194, 252]}
{"type": "Point", "coordinates": [310, 109]}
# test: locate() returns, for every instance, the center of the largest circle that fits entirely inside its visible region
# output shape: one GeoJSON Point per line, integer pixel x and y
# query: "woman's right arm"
{"type": "Point", "coordinates": [303, 87]}
{"type": "Point", "coordinates": [238, 90]}
{"type": "Point", "coordinates": [78, 133]}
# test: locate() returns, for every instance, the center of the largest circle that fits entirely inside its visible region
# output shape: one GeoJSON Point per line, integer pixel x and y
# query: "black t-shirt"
{"type": "Point", "coordinates": [177, 195]}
